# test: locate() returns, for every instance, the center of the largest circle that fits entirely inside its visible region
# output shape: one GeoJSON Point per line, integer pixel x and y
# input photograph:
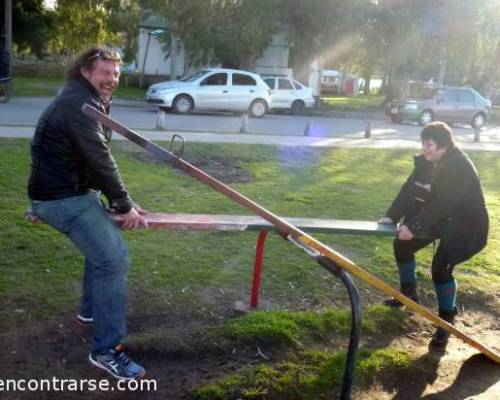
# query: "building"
{"type": "Point", "coordinates": [155, 58]}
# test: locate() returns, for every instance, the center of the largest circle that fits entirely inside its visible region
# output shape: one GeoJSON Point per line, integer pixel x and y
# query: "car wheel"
{"type": "Point", "coordinates": [425, 117]}
{"type": "Point", "coordinates": [478, 120]}
{"type": "Point", "coordinates": [182, 104]}
{"type": "Point", "coordinates": [297, 108]}
{"type": "Point", "coordinates": [258, 108]}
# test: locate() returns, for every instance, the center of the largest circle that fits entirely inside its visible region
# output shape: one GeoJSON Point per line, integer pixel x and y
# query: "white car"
{"type": "Point", "coordinates": [213, 89]}
{"type": "Point", "coordinates": [290, 95]}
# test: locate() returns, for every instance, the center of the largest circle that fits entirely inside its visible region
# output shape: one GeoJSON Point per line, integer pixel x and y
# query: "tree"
{"type": "Point", "coordinates": [230, 32]}
{"type": "Point", "coordinates": [81, 23]}
{"type": "Point", "coordinates": [124, 18]}
{"type": "Point", "coordinates": [326, 28]}
{"type": "Point", "coordinates": [31, 24]}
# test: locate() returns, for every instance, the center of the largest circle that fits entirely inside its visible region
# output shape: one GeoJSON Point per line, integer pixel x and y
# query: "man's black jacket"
{"type": "Point", "coordinates": [69, 151]}
{"type": "Point", "coordinates": [445, 202]}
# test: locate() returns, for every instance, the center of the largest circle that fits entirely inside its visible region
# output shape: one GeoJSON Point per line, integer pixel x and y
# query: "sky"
{"type": "Point", "coordinates": [50, 3]}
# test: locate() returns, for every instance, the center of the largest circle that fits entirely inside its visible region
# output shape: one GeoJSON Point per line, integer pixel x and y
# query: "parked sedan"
{"type": "Point", "coordinates": [288, 94]}
{"type": "Point", "coordinates": [450, 104]}
{"type": "Point", "coordinates": [213, 89]}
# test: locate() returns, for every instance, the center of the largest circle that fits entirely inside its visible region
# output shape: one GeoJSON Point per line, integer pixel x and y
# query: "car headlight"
{"type": "Point", "coordinates": [411, 106]}
{"type": "Point", "coordinates": [163, 91]}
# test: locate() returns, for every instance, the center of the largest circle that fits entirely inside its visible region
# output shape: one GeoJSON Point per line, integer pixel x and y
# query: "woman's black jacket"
{"type": "Point", "coordinates": [446, 202]}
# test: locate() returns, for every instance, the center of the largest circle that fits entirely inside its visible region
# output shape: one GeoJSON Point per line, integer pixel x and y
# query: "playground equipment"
{"type": "Point", "coordinates": [331, 260]}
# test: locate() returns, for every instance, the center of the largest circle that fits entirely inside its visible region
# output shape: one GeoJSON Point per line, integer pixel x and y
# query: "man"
{"type": "Point", "coordinates": [71, 165]}
{"type": "Point", "coordinates": [442, 199]}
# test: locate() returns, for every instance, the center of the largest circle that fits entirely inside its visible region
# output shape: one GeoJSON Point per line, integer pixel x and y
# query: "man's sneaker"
{"type": "Point", "coordinates": [116, 363]}
{"type": "Point", "coordinates": [84, 321]}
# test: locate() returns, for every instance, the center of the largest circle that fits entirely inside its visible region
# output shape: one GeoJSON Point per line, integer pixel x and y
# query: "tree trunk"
{"type": "Point", "coordinates": [367, 78]}
{"type": "Point", "coordinates": [173, 57]}
{"type": "Point", "coordinates": [491, 72]}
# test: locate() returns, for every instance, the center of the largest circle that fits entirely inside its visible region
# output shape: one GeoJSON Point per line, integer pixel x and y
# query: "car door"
{"type": "Point", "coordinates": [242, 91]}
{"type": "Point", "coordinates": [468, 106]}
{"type": "Point", "coordinates": [212, 93]}
{"type": "Point", "coordinates": [447, 105]}
{"type": "Point", "coordinates": [285, 93]}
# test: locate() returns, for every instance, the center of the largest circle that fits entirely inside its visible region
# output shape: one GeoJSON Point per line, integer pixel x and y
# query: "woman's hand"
{"type": "Point", "coordinates": [404, 233]}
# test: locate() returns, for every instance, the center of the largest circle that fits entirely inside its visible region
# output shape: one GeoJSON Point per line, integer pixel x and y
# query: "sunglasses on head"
{"type": "Point", "coordinates": [106, 55]}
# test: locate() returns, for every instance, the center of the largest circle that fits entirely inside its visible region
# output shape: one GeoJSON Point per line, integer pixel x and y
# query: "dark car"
{"type": "Point", "coordinates": [449, 104]}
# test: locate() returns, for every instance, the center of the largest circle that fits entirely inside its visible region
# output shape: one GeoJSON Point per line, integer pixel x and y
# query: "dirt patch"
{"type": "Point", "coordinates": [58, 348]}
{"type": "Point", "coordinates": [224, 169]}
{"type": "Point", "coordinates": [458, 372]}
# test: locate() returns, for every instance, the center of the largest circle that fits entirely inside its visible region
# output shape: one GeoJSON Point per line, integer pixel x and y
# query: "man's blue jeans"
{"type": "Point", "coordinates": [84, 220]}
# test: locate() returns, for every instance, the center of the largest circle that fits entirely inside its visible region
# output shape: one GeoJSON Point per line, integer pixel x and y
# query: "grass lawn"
{"type": "Point", "coordinates": [196, 276]}
{"type": "Point", "coordinates": [359, 102]}
{"type": "Point", "coordinates": [36, 86]}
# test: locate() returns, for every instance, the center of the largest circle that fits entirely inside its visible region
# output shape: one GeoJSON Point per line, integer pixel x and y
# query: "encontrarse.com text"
{"type": "Point", "coordinates": [76, 385]}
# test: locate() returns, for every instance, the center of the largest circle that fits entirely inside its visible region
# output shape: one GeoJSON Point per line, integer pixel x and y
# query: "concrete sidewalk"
{"type": "Point", "coordinates": [489, 141]}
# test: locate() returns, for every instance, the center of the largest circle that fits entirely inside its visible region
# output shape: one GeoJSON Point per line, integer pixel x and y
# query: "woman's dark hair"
{"type": "Point", "coordinates": [440, 132]}
{"type": "Point", "coordinates": [87, 58]}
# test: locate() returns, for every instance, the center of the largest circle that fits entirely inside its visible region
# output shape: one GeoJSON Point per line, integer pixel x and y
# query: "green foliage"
{"type": "Point", "coordinates": [326, 28]}
{"type": "Point", "coordinates": [232, 33]}
{"type": "Point", "coordinates": [279, 329]}
{"type": "Point", "coordinates": [414, 39]}
{"type": "Point", "coordinates": [79, 24]}
{"type": "Point", "coordinates": [306, 375]}
{"type": "Point", "coordinates": [283, 327]}
{"type": "Point", "coordinates": [291, 328]}
{"type": "Point", "coordinates": [31, 26]}
{"type": "Point", "coordinates": [360, 102]}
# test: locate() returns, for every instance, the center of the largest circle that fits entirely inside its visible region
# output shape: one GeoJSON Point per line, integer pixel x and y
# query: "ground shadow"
{"type": "Point", "coordinates": [476, 375]}
{"type": "Point", "coordinates": [412, 388]}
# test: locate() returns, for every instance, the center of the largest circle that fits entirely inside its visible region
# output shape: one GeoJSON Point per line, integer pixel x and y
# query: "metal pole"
{"type": "Point", "coordinates": [8, 27]}
{"type": "Point", "coordinates": [477, 135]}
{"type": "Point", "coordinates": [350, 365]}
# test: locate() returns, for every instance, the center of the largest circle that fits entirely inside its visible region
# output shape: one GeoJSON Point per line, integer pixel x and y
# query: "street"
{"type": "Point", "coordinates": [25, 111]}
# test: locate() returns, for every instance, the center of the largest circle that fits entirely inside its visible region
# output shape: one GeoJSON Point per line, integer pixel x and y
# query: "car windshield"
{"type": "Point", "coordinates": [192, 77]}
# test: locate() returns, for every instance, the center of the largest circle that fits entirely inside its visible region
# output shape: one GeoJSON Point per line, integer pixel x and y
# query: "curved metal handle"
{"type": "Point", "coordinates": [181, 139]}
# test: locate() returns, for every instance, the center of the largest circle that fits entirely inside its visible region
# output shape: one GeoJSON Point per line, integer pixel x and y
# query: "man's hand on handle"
{"type": "Point", "coordinates": [133, 219]}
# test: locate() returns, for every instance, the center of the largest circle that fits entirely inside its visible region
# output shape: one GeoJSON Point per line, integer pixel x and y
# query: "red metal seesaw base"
{"type": "Point", "coordinates": [257, 269]}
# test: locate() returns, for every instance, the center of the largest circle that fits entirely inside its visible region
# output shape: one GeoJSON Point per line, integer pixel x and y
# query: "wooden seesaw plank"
{"type": "Point", "coordinates": [310, 245]}
{"type": "Point", "coordinates": [190, 222]}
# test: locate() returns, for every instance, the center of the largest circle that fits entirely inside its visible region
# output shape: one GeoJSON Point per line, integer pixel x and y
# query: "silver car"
{"type": "Point", "coordinates": [450, 104]}
{"type": "Point", "coordinates": [288, 94]}
{"type": "Point", "coordinates": [213, 89]}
